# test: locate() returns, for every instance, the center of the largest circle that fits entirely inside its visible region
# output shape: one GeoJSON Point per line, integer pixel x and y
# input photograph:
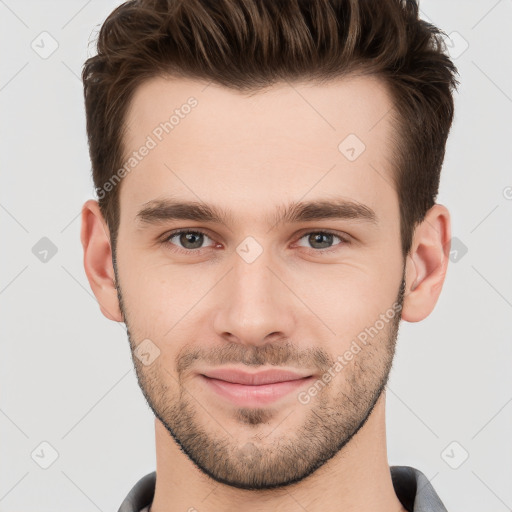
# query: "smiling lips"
{"type": "Point", "coordinates": [246, 389]}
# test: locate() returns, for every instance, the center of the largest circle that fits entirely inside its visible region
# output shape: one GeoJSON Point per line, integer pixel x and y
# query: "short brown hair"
{"type": "Point", "coordinates": [248, 45]}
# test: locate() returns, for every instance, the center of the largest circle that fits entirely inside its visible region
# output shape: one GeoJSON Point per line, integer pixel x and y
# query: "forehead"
{"type": "Point", "coordinates": [213, 144]}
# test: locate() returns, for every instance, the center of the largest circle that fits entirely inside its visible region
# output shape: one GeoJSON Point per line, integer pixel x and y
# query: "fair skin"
{"type": "Point", "coordinates": [294, 307]}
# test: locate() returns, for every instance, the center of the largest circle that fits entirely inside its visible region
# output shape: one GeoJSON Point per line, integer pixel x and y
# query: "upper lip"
{"type": "Point", "coordinates": [254, 379]}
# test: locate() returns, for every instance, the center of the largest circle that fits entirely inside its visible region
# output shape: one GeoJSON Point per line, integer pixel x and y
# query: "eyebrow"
{"type": "Point", "coordinates": [162, 210]}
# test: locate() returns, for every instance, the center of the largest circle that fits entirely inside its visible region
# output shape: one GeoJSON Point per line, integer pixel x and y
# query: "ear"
{"type": "Point", "coordinates": [426, 264]}
{"type": "Point", "coordinates": [98, 265]}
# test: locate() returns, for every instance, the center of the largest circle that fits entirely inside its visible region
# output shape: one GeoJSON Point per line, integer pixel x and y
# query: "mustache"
{"type": "Point", "coordinates": [270, 354]}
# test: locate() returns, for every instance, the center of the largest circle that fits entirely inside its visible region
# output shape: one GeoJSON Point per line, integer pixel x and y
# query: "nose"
{"type": "Point", "coordinates": [256, 305]}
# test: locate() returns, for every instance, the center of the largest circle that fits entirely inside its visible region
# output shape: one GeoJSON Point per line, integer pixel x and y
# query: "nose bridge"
{"type": "Point", "coordinates": [254, 301]}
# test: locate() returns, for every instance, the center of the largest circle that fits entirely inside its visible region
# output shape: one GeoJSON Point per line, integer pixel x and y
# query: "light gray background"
{"type": "Point", "coordinates": [66, 373]}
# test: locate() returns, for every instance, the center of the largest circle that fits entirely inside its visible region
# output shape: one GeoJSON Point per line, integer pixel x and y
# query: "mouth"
{"type": "Point", "coordinates": [253, 389]}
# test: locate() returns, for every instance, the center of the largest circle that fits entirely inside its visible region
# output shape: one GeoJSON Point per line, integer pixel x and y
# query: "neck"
{"type": "Point", "coordinates": [358, 479]}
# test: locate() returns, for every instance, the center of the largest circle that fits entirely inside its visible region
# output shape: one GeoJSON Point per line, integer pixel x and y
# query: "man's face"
{"type": "Point", "coordinates": [258, 291]}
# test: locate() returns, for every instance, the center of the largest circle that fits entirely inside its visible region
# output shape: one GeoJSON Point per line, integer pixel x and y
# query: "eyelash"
{"type": "Point", "coordinates": [169, 236]}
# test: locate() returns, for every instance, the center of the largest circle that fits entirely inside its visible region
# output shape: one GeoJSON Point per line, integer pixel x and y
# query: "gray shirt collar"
{"type": "Point", "coordinates": [412, 488]}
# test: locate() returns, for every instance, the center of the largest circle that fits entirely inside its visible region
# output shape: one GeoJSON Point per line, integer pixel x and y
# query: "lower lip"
{"type": "Point", "coordinates": [245, 396]}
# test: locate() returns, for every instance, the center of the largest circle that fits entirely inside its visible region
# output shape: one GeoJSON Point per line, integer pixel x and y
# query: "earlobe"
{"type": "Point", "coordinates": [426, 264]}
{"type": "Point", "coordinates": [98, 266]}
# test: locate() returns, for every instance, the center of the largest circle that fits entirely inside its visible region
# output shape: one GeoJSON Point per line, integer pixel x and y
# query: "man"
{"type": "Point", "coordinates": [266, 175]}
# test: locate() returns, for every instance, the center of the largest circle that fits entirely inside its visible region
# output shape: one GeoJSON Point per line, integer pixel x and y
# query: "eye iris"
{"type": "Point", "coordinates": [189, 237]}
{"type": "Point", "coordinates": [317, 237]}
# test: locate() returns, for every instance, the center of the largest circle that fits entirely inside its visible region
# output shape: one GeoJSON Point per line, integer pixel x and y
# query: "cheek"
{"type": "Point", "coordinates": [160, 298]}
{"type": "Point", "coordinates": [352, 304]}
{"type": "Point", "coordinates": [348, 297]}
